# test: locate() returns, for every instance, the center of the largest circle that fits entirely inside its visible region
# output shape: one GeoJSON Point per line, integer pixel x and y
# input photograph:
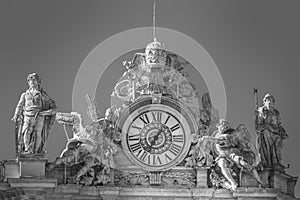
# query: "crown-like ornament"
{"type": "Point", "coordinates": [156, 55]}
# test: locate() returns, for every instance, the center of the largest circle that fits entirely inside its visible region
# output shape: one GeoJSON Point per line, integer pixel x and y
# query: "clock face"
{"type": "Point", "coordinates": [156, 136]}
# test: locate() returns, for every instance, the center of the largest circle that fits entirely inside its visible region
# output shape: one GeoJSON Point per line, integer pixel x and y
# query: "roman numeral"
{"type": "Point", "coordinates": [167, 158]}
{"type": "Point", "coordinates": [137, 155]}
{"type": "Point", "coordinates": [149, 160]}
{"type": "Point", "coordinates": [135, 147]}
{"type": "Point", "coordinates": [134, 137]}
{"type": "Point", "coordinates": [175, 149]}
{"type": "Point", "coordinates": [145, 119]}
{"type": "Point", "coordinates": [167, 119]}
{"type": "Point", "coordinates": [143, 156]}
{"type": "Point", "coordinates": [178, 138]}
{"type": "Point", "coordinates": [136, 127]}
{"type": "Point", "coordinates": [156, 160]}
{"type": "Point", "coordinates": [156, 116]}
{"type": "Point", "coordinates": [175, 127]}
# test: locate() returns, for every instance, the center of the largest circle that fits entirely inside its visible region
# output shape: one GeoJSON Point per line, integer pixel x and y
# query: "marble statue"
{"type": "Point", "coordinates": [270, 133]}
{"type": "Point", "coordinates": [88, 146]}
{"type": "Point", "coordinates": [233, 149]}
{"type": "Point", "coordinates": [34, 117]}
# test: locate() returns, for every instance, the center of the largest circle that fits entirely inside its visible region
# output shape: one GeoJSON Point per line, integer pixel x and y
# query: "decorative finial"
{"type": "Point", "coordinates": [154, 23]}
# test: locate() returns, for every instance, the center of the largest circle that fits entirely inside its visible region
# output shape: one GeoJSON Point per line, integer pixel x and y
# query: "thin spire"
{"type": "Point", "coordinates": [154, 22]}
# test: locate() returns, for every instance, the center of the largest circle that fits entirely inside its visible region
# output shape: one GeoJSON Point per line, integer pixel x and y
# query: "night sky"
{"type": "Point", "coordinates": [254, 44]}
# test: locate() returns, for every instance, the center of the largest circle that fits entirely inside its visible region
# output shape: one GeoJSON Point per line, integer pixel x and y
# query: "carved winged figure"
{"type": "Point", "coordinates": [88, 145]}
{"type": "Point", "coordinates": [231, 148]}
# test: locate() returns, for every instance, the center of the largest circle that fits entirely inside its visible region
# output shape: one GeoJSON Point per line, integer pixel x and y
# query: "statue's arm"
{"type": "Point", "coordinates": [281, 130]}
{"type": "Point", "coordinates": [19, 107]}
{"type": "Point", "coordinates": [260, 122]}
{"type": "Point", "coordinates": [51, 108]}
{"type": "Point", "coordinates": [208, 138]}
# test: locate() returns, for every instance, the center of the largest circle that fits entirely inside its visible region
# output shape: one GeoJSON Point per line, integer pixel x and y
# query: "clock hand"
{"type": "Point", "coordinates": [155, 137]}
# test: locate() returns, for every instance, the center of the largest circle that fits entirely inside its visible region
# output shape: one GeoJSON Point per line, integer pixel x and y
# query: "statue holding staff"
{"type": "Point", "coordinates": [34, 117]}
{"type": "Point", "coordinates": [270, 133]}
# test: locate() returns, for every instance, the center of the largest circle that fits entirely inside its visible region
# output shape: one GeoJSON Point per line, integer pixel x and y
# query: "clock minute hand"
{"type": "Point", "coordinates": [156, 136]}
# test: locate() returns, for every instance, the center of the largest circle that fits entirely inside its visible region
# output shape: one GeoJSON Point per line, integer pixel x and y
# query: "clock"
{"type": "Point", "coordinates": [156, 135]}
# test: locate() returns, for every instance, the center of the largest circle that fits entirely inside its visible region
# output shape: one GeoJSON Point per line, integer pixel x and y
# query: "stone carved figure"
{"type": "Point", "coordinates": [233, 149]}
{"type": "Point", "coordinates": [88, 146]}
{"type": "Point", "coordinates": [209, 115]}
{"type": "Point", "coordinates": [270, 133]}
{"type": "Point", "coordinates": [202, 153]}
{"type": "Point", "coordinates": [34, 117]}
{"type": "Point", "coordinates": [156, 71]}
{"type": "Point", "coordinates": [111, 130]}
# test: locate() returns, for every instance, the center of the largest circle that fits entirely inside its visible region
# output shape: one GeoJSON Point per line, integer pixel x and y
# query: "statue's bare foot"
{"type": "Point", "coordinates": [234, 186]}
{"type": "Point", "coordinates": [28, 152]}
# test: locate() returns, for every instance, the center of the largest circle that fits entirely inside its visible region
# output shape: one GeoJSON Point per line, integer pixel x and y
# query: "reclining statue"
{"type": "Point", "coordinates": [90, 146]}
{"type": "Point", "coordinates": [233, 148]}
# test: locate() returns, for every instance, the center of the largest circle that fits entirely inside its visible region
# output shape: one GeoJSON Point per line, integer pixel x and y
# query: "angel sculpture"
{"type": "Point", "coordinates": [233, 148]}
{"type": "Point", "coordinates": [88, 146]}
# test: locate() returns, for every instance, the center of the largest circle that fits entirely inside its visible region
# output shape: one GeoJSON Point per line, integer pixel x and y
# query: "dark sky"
{"type": "Point", "coordinates": [254, 44]}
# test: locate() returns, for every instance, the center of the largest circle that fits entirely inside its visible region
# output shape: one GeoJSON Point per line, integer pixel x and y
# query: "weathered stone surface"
{"type": "Point", "coordinates": [32, 167]}
{"type": "Point", "coordinates": [32, 182]}
{"type": "Point", "coordinates": [62, 172]}
{"type": "Point", "coordinates": [274, 179]}
{"type": "Point", "coordinates": [71, 192]}
{"type": "Point", "coordinates": [11, 169]}
{"type": "Point", "coordinates": [202, 177]}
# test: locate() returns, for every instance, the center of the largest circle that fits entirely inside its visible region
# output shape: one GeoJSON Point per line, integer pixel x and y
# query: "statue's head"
{"type": "Point", "coordinates": [109, 114]}
{"type": "Point", "coordinates": [223, 125]}
{"type": "Point", "coordinates": [268, 100]}
{"type": "Point", "coordinates": [34, 81]}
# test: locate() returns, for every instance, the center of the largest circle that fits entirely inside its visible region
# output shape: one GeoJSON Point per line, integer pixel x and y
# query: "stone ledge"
{"type": "Point", "coordinates": [69, 188]}
{"type": "Point", "coordinates": [42, 187]}
{"type": "Point", "coordinates": [194, 193]}
{"type": "Point", "coordinates": [256, 192]}
{"type": "Point", "coordinates": [32, 182]}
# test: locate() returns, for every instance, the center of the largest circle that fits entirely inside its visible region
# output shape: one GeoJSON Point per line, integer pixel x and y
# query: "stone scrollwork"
{"type": "Point", "coordinates": [129, 178]}
{"type": "Point", "coordinates": [182, 177]}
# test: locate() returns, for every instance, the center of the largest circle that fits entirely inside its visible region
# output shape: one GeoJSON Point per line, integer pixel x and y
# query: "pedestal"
{"type": "Point", "coordinates": [282, 181]}
{"type": "Point", "coordinates": [202, 177]}
{"type": "Point", "coordinates": [274, 179]}
{"type": "Point", "coordinates": [11, 169]}
{"type": "Point", "coordinates": [33, 188]}
{"type": "Point", "coordinates": [32, 167]}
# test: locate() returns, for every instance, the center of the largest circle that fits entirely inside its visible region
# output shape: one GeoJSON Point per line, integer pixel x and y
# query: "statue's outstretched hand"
{"type": "Point", "coordinates": [15, 118]}
{"type": "Point", "coordinates": [47, 112]}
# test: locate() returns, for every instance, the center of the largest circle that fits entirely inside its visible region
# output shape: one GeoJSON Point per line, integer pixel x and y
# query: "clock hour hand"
{"type": "Point", "coordinates": [155, 137]}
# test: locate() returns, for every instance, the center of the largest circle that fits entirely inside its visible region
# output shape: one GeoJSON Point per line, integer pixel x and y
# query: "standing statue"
{"type": "Point", "coordinates": [270, 133]}
{"type": "Point", "coordinates": [233, 149]}
{"type": "Point", "coordinates": [34, 117]}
